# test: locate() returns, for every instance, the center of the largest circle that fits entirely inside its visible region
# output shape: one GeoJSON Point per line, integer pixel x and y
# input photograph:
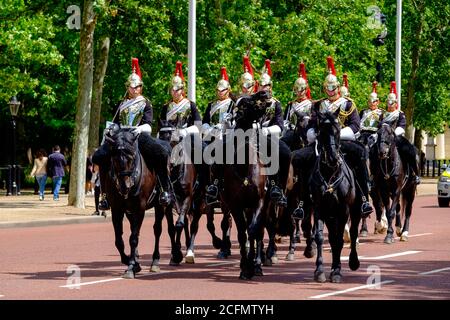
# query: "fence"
{"type": "Point", "coordinates": [7, 174]}
{"type": "Point", "coordinates": [432, 168]}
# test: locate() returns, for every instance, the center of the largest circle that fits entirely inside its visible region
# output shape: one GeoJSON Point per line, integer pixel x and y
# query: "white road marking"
{"type": "Point", "coordinates": [434, 271]}
{"type": "Point", "coordinates": [109, 280]}
{"type": "Point", "coordinates": [417, 235]}
{"type": "Point", "coordinates": [221, 263]}
{"type": "Point", "coordinates": [335, 293]}
{"type": "Point", "coordinates": [387, 256]}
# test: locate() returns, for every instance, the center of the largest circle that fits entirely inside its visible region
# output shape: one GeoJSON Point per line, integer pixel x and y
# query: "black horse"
{"type": "Point", "coordinates": [131, 188]}
{"type": "Point", "coordinates": [333, 191]}
{"type": "Point", "coordinates": [392, 182]}
{"type": "Point", "coordinates": [189, 190]}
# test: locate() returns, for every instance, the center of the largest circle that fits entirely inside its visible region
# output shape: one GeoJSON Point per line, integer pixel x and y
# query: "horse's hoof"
{"type": "Point", "coordinates": [278, 239]}
{"type": "Point", "coordinates": [274, 259]}
{"type": "Point", "coordinates": [268, 262]}
{"type": "Point", "coordinates": [335, 277]}
{"type": "Point", "coordinates": [389, 239]}
{"type": "Point", "coordinates": [245, 276]}
{"type": "Point", "coordinates": [309, 252]}
{"type": "Point", "coordinates": [319, 277]}
{"type": "Point", "coordinates": [363, 233]}
{"type": "Point", "coordinates": [129, 274]}
{"type": "Point", "coordinates": [189, 258]}
{"type": "Point", "coordinates": [290, 257]}
{"type": "Point", "coordinates": [353, 262]}
{"type": "Point", "coordinates": [380, 227]}
{"type": "Point", "coordinates": [155, 268]}
{"type": "Point", "coordinates": [217, 243]}
{"type": "Point", "coordinates": [398, 230]}
{"type": "Point", "coordinates": [223, 254]}
{"type": "Point", "coordinates": [404, 236]}
{"type": "Point", "coordinates": [258, 271]}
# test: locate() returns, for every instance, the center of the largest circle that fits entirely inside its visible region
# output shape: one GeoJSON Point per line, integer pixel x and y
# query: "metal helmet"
{"type": "Point", "coordinates": [178, 78]}
{"type": "Point", "coordinates": [331, 82]}
{"type": "Point", "coordinates": [373, 97]}
{"type": "Point", "coordinates": [344, 88]}
{"type": "Point", "coordinates": [223, 82]}
{"type": "Point", "coordinates": [392, 96]}
{"type": "Point", "coordinates": [301, 83]}
{"type": "Point", "coordinates": [135, 79]}
{"type": "Point", "coordinates": [247, 79]}
{"type": "Point", "coordinates": [266, 75]}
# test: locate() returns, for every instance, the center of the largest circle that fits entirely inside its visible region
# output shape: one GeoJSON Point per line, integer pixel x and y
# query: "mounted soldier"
{"type": "Point", "coordinates": [397, 120]}
{"type": "Point", "coordinates": [298, 112]}
{"type": "Point", "coordinates": [217, 119]}
{"type": "Point", "coordinates": [370, 118]}
{"type": "Point", "coordinates": [354, 153]}
{"type": "Point", "coordinates": [135, 110]}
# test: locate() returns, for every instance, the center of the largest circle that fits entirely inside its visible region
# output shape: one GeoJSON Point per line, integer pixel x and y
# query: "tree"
{"type": "Point", "coordinates": [83, 106]}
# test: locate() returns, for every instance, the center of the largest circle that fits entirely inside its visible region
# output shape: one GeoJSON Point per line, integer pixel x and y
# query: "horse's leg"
{"type": "Point", "coordinates": [117, 220]}
{"type": "Point", "coordinates": [381, 219]}
{"type": "Point", "coordinates": [398, 220]}
{"type": "Point", "coordinates": [408, 199]}
{"type": "Point", "coordinates": [216, 241]}
{"type": "Point", "coordinates": [135, 220]}
{"type": "Point", "coordinates": [292, 241]}
{"type": "Point", "coordinates": [241, 227]}
{"type": "Point", "coordinates": [335, 228]}
{"type": "Point", "coordinates": [225, 226]}
{"type": "Point", "coordinates": [364, 232]}
{"type": "Point", "coordinates": [307, 227]}
{"type": "Point", "coordinates": [175, 236]}
{"type": "Point", "coordinates": [319, 275]}
{"type": "Point", "coordinates": [355, 217]}
{"type": "Point", "coordinates": [391, 207]}
{"type": "Point", "coordinates": [157, 230]}
{"type": "Point", "coordinates": [271, 247]}
{"type": "Point", "coordinates": [190, 256]}
{"type": "Point", "coordinates": [297, 233]}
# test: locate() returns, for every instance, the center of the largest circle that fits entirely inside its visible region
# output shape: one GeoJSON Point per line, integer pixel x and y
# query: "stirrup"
{"type": "Point", "coordinates": [282, 201]}
{"type": "Point", "coordinates": [275, 193]}
{"type": "Point", "coordinates": [366, 209]}
{"type": "Point", "coordinates": [211, 195]}
{"type": "Point", "coordinates": [165, 199]}
{"type": "Point", "coordinates": [299, 213]}
{"type": "Point", "coordinates": [417, 180]}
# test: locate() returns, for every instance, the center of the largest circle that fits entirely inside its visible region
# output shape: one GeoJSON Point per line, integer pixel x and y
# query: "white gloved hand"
{"type": "Point", "coordinates": [265, 132]}
{"type": "Point", "coordinates": [182, 133]}
{"type": "Point", "coordinates": [372, 139]}
{"type": "Point", "coordinates": [347, 134]}
{"type": "Point", "coordinates": [311, 135]}
{"type": "Point", "coordinates": [143, 128]}
{"type": "Point", "coordinates": [399, 131]}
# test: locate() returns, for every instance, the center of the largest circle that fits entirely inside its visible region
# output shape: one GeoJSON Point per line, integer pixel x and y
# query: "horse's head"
{"type": "Point", "coordinates": [329, 138]}
{"type": "Point", "coordinates": [385, 141]}
{"type": "Point", "coordinates": [124, 155]}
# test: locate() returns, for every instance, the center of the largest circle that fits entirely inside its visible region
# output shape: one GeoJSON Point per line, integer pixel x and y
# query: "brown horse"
{"type": "Point", "coordinates": [131, 188]}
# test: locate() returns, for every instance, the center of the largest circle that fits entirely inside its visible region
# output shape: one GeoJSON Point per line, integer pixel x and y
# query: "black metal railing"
{"type": "Point", "coordinates": [433, 168]}
{"type": "Point", "coordinates": [11, 179]}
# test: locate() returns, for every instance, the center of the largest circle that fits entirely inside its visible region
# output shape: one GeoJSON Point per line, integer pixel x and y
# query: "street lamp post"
{"type": "Point", "coordinates": [14, 106]}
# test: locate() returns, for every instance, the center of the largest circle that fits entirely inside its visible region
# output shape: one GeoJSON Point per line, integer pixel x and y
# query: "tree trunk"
{"type": "Point", "coordinates": [85, 74]}
{"type": "Point", "coordinates": [410, 100]}
{"type": "Point", "coordinates": [97, 91]}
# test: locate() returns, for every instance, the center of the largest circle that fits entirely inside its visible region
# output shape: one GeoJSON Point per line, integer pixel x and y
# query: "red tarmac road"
{"type": "Point", "coordinates": [35, 261]}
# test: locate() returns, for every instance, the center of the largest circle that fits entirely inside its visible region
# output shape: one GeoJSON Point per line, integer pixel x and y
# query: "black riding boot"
{"type": "Point", "coordinates": [212, 191]}
{"type": "Point", "coordinates": [362, 179]}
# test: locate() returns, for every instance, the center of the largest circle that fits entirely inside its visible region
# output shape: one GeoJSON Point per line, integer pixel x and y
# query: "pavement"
{"type": "Point", "coordinates": [26, 210]}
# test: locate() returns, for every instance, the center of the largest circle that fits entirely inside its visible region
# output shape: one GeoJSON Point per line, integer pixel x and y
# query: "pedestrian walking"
{"type": "Point", "coordinates": [39, 171]}
{"type": "Point", "coordinates": [55, 165]}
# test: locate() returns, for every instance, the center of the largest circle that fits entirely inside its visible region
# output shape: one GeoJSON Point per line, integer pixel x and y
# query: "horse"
{"type": "Point", "coordinates": [131, 188]}
{"type": "Point", "coordinates": [243, 191]}
{"type": "Point", "coordinates": [332, 186]}
{"type": "Point", "coordinates": [392, 182]}
{"type": "Point", "coordinates": [189, 191]}
{"type": "Point", "coordinates": [368, 139]}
